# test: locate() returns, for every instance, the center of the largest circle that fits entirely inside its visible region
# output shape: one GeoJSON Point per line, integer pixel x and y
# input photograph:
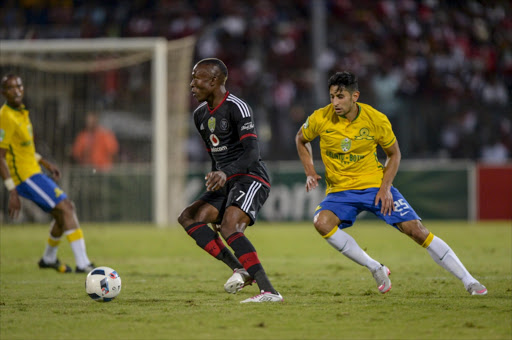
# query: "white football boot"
{"type": "Point", "coordinates": [476, 288]}
{"type": "Point", "coordinates": [265, 297]}
{"type": "Point", "coordinates": [381, 277]}
{"type": "Point", "coordinates": [237, 281]}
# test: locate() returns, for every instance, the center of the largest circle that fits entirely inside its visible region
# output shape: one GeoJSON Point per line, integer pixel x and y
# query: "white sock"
{"type": "Point", "coordinates": [77, 243]}
{"type": "Point", "coordinates": [444, 256]}
{"type": "Point", "coordinates": [50, 253]}
{"type": "Point", "coordinates": [345, 244]}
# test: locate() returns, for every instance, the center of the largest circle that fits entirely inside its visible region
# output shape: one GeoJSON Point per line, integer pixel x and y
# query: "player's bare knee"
{"type": "Point", "coordinates": [322, 226]}
{"type": "Point", "coordinates": [63, 208]}
{"type": "Point", "coordinates": [185, 218]}
{"type": "Point", "coordinates": [415, 230]}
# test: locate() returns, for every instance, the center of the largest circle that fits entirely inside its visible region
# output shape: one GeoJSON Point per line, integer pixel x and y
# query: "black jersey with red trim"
{"type": "Point", "coordinates": [230, 137]}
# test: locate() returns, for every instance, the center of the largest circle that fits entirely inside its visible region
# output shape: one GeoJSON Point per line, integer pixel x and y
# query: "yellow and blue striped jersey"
{"type": "Point", "coordinates": [349, 149]}
{"type": "Point", "coordinates": [16, 136]}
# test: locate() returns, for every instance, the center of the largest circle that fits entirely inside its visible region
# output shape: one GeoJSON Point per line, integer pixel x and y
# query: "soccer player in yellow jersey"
{"type": "Point", "coordinates": [22, 175]}
{"type": "Point", "coordinates": [356, 181]}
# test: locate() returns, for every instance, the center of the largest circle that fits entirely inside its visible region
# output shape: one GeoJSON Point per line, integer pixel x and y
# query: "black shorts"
{"type": "Point", "coordinates": [244, 192]}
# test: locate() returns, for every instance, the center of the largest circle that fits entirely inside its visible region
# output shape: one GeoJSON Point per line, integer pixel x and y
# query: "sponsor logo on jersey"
{"type": "Point", "coordinates": [364, 133]}
{"type": "Point", "coordinates": [224, 124]}
{"type": "Point", "coordinates": [211, 124]}
{"type": "Point", "coordinates": [247, 126]}
{"type": "Point", "coordinates": [214, 139]}
{"type": "Point", "coordinates": [346, 144]}
{"type": "Point", "coordinates": [219, 149]}
{"type": "Point", "coordinates": [345, 158]}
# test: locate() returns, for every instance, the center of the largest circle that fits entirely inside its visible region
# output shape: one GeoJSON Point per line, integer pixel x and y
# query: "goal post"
{"type": "Point", "coordinates": [70, 72]}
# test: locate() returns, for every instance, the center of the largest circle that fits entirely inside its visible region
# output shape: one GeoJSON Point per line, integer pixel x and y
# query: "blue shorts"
{"type": "Point", "coordinates": [348, 204]}
{"type": "Point", "coordinates": [41, 190]}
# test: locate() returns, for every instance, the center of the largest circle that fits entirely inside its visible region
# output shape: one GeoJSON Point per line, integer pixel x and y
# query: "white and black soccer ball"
{"type": "Point", "coordinates": [103, 284]}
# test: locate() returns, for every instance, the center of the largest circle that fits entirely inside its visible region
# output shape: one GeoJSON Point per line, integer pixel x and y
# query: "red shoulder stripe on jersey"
{"type": "Point", "coordinates": [255, 177]}
{"type": "Point", "coordinates": [249, 135]}
{"type": "Point", "coordinates": [223, 100]}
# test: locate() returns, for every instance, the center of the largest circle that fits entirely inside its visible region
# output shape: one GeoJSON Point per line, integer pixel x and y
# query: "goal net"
{"type": "Point", "coordinates": [139, 87]}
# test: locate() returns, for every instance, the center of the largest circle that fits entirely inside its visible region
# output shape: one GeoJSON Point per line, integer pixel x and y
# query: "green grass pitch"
{"type": "Point", "coordinates": [174, 290]}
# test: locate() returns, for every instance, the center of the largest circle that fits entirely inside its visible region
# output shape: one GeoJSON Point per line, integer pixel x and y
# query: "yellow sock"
{"type": "Point", "coordinates": [428, 240]}
{"type": "Point", "coordinates": [50, 252]}
{"type": "Point", "coordinates": [77, 243]}
{"type": "Point", "coordinates": [74, 235]}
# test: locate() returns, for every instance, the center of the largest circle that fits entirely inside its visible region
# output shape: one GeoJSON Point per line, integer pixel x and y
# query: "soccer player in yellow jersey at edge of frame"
{"type": "Point", "coordinates": [349, 133]}
{"type": "Point", "coordinates": [22, 175]}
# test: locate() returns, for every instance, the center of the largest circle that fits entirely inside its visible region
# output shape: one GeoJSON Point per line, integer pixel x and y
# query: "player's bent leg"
{"type": "Point", "coordinates": [198, 211]}
{"type": "Point", "coordinates": [324, 222]}
{"type": "Point", "coordinates": [443, 255]}
{"type": "Point", "coordinates": [232, 229]}
{"type": "Point", "coordinates": [49, 259]}
{"type": "Point", "coordinates": [415, 230]}
{"type": "Point", "coordinates": [345, 244]}
{"type": "Point", "coordinates": [65, 217]}
{"type": "Point", "coordinates": [195, 219]}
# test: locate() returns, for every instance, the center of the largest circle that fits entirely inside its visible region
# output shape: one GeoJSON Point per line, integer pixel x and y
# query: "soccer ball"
{"type": "Point", "coordinates": [103, 284]}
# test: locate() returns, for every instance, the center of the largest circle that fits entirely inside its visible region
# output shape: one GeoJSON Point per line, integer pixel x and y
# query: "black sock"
{"type": "Point", "coordinates": [226, 255]}
{"type": "Point", "coordinates": [210, 241]}
{"type": "Point", "coordinates": [248, 257]}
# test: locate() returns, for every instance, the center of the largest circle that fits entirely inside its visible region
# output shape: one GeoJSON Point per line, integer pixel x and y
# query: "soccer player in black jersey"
{"type": "Point", "coordinates": [236, 187]}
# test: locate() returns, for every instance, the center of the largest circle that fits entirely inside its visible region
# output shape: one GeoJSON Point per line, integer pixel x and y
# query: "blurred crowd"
{"type": "Point", "coordinates": [440, 70]}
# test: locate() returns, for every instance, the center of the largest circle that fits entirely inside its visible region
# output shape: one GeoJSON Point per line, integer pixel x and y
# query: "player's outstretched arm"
{"type": "Point", "coordinates": [306, 157]}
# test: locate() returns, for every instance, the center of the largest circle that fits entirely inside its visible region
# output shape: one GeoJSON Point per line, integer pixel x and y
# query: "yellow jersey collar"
{"type": "Point", "coordinates": [20, 109]}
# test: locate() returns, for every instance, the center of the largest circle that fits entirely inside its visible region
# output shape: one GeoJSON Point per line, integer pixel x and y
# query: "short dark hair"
{"type": "Point", "coordinates": [344, 80]}
{"type": "Point", "coordinates": [216, 62]}
{"type": "Point", "coordinates": [6, 77]}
